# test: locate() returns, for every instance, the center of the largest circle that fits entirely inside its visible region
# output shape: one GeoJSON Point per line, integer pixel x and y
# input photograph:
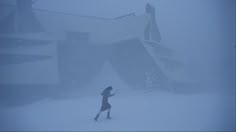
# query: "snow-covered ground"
{"type": "Point", "coordinates": [134, 111]}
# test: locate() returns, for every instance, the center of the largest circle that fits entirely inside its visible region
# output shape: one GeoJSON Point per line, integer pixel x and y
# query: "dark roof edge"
{"type": "Point", "coordinates": [63, 13]}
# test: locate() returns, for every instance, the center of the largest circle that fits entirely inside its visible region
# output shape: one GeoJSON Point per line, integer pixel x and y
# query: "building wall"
{"type": "Point", "coordinates": [24, 62]}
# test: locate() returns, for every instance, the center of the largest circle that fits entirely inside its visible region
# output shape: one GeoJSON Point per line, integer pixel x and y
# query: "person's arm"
{"type": "Point", "coordinates": [111, 95]}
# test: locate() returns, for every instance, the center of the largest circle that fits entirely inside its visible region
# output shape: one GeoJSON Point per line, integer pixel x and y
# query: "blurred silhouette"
{"type": "Point", "coordinates": [105, 104]}
{"type": "Point", "coordinates": [152, 31]}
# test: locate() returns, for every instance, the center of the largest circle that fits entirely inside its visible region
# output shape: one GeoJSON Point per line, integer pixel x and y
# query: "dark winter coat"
{"type": "Point", "coordinates": [106, 94]}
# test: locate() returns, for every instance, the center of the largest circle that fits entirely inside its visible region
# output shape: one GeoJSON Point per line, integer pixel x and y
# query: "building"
{"type": "Point", "coordinates": [52, 49]}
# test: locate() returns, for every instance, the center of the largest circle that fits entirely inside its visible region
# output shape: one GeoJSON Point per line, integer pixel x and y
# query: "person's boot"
{"type": "Point", "coordinates": [96, 118]}
{"type": "Point", "coordinates": [108, 115]}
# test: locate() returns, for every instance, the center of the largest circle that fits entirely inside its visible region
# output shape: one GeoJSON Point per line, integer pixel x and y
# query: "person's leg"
{"type": "Point", "coordinates": [108, 114]}
{"type": "Point", "coordinates": [96, 118]}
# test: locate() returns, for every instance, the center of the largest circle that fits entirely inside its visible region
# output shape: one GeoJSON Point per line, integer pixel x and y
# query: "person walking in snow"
{"type": "Point", "coordinates": [105, 104]}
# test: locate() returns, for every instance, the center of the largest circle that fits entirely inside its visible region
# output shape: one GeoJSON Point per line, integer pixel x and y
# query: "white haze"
{"type": "Point", "coordinates": [202, 37]}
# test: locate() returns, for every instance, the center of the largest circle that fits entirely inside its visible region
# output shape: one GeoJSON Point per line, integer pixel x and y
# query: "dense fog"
{"type": "Point", "coordinates": [171, 64]}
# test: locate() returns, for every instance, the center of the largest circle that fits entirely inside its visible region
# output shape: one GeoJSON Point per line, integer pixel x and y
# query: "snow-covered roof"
{"type": "Point", "coordinates": [163, 57]}
{"type": "Point", "coordinates": [101, 31]}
